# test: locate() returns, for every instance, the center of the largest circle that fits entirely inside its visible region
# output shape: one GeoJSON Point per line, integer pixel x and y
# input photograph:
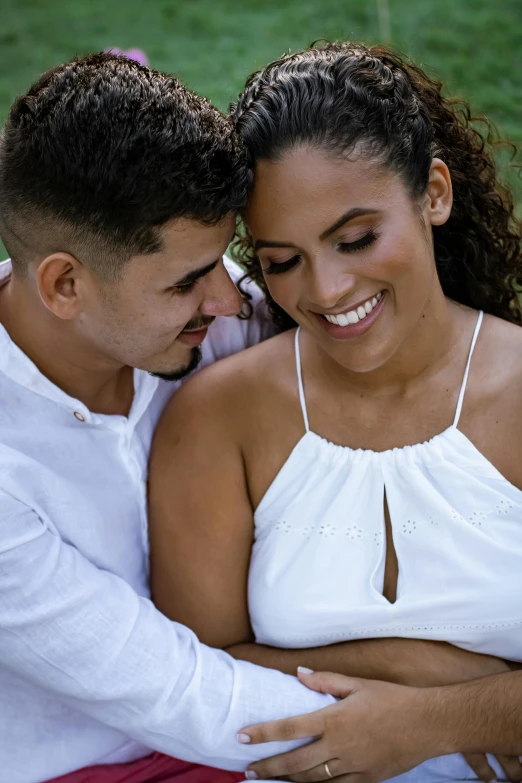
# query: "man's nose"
{"type": "Point", "coordinates": [221, 295]}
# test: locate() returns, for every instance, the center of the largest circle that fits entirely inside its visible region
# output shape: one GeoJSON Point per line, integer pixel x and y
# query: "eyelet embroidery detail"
{"type": "Point", "coordinates": [327, 531]}
{"type": "Point", "coordinates": [378, 537]}
{"type": "Point", "coordinates": [283, 526]}
{"type": "Point", "coordinates": [354, 533]}
{"type": "Point", "coordinates": [477, 519]}
{"type": "Point", "coordinates": [504, 506]}
{"type": "Point", "coordinates": [409, 527]}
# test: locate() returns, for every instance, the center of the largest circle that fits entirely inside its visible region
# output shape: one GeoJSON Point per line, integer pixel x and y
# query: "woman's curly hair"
{"type": "Point", "coordinates": [336, 96]}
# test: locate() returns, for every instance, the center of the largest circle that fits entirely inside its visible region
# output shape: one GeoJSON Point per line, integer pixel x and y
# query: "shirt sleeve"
{"type": "Point", "coordinates": [84, 634]}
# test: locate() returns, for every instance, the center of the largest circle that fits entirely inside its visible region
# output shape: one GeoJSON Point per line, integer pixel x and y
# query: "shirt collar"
{"type": "Point", "coordinates": [19, 368]}
{"type": "Point", "coordinates": [5, 271]}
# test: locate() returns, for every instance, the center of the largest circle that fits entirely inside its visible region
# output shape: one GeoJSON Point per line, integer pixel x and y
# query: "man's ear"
{"type": "Point", "coordinates": [59, 278]}
{"type": "Point", "coordinates": [439, 193]}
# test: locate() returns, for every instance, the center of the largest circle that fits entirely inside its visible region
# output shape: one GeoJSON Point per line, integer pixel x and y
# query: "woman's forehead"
{"type": "Point", "coordinates": [313, 183]}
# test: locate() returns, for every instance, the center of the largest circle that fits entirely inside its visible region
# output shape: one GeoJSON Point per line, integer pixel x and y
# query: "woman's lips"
{"type": "Point", "coordinates": [353, 330]}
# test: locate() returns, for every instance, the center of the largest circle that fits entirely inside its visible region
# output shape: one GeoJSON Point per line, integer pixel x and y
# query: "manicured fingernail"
{"type": "Point", "coordinates": [244, 738]}
{"type": "Point", "coordinates": [250, 774]}
{"type": "Point", "coordinates": [304, 670]}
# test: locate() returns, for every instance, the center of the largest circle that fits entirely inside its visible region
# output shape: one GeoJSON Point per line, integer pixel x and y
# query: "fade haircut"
{"type": "Point", "coordinates": [101, 153]}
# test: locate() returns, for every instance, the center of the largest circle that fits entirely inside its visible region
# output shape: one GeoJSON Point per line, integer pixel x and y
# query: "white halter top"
{"type": "Point", "coordinates": [317, 567]}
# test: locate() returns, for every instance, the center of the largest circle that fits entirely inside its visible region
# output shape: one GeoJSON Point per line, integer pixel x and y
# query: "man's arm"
{"type": "Point", "coordinates": [84, 635]}
{"type": "Point", "coordinates": [480, 716]}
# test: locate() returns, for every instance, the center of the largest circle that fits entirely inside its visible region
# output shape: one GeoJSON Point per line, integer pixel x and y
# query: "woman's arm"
{"type": "Point", "coordinates": [201, 530]}
{"type": "Point", "coordinates": [414, 662]}
{"type": "Point", "coordinates": [200, 517]}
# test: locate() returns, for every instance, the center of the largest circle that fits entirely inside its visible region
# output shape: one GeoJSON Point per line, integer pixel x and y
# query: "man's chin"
{"type": "Point", "coordinates": [181, 372]}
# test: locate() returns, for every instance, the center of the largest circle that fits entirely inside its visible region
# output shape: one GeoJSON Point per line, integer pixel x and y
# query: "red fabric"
{"type": "Point", "coordinates": [152, 769]}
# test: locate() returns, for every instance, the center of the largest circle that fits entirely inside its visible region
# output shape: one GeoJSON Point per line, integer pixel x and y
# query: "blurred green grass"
{"type": "Point", "coordinates": [475, 46]}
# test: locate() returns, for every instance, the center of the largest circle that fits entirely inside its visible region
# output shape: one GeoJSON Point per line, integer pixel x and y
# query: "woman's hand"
{"type": "Point", "coordinates": [377, 731]}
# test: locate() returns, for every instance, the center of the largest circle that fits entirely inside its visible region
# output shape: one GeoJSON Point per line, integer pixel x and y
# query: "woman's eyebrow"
{"type": "Point", "coordinates": [266, 243]}
{"type": "Point", "coordinates": [353, 213]}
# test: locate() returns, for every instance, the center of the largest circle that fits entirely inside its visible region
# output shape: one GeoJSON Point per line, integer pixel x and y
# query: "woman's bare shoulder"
{"type": "Point", "coordinates": [253, 368]}
{"type": "Point", "coordinates": [502, 347]}
{"type": "Point", "coordinates": [492, 413]}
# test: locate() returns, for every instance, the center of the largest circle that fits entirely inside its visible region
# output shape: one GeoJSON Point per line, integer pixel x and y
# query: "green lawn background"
{"type": "Point", "coordinates": [475, 46]}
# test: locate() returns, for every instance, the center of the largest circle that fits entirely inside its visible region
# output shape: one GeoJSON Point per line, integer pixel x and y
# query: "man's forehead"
{"type": "Point", "coordinates": [191, 230]}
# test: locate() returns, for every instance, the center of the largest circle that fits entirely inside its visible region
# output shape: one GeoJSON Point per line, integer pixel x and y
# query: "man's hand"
{"type": "Point", "coordinates": [377, 731]}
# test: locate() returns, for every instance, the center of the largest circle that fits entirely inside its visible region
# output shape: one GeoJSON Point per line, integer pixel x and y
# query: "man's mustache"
{"type": "Point", "coordinates": [198, 323]}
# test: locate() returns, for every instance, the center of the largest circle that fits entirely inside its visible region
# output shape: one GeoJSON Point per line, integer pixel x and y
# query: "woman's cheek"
{"type": "Point", "coordinates": [284, 293]}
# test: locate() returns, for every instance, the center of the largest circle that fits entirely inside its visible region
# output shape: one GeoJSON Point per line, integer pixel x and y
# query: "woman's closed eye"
{"type": "Point", "coordinates": [358, 244]}
{"type": "Point", "coordinates": [278, 267]}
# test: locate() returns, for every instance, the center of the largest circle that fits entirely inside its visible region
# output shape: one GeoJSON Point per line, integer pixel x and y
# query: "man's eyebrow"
{"type": "Point", "coordinates": [196, 274]}
{"type": "Point", "coordinates": [350, 215]}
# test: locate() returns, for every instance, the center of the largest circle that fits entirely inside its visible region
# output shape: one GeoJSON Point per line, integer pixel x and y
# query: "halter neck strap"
{"type": "Point", "coordinates": [462, 392]}
{"type": "Point", "coordinates": [466, 371]}
{"type": "Point", "coordinates": [302, 399]}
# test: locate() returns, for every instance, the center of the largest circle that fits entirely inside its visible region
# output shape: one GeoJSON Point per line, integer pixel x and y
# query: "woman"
{"type": "Point", "coordinates": [359, 477]}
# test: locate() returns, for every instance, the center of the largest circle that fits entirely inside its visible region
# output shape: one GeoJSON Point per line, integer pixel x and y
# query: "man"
{"type": "Point", "coordinates": [119, 190]}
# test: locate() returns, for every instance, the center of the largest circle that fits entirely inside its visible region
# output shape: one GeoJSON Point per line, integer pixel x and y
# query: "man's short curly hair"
{"type": "Point", "coordinates": [102, 152]}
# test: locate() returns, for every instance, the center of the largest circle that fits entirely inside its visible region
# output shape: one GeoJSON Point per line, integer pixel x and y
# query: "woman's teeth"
{"type": "Point", "coordinates": [354, 316]}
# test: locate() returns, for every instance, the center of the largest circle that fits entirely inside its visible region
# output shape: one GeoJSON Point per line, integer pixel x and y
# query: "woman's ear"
{"type": "Point", "coordinates": [439, 193]}
{"type": "Point", "coordinates": [58, 278]}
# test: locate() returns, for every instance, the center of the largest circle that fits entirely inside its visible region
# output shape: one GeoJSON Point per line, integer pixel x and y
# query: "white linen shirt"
{"type": "Point", "coordinates": [90, 671]}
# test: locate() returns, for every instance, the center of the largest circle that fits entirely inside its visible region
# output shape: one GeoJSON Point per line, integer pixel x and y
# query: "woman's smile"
{"type": "Point", "coordinates": [354, 322]}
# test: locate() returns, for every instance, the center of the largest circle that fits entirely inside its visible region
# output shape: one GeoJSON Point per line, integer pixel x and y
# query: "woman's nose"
{"type": "Point", "coordinates": [327, 287]}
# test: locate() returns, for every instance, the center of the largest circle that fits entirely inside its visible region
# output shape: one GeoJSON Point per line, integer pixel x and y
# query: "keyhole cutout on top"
{"type": "Point", "coordinates": [391, 564]}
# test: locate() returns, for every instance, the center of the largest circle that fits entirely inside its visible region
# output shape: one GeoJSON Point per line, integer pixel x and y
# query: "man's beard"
{"type": "Point", "coordinates": [199, 322]}
{"type": "Point", "coordinates": [177, 375]}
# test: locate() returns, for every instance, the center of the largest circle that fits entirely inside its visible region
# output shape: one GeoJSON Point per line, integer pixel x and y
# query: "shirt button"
{"type": "Point", "coordinates": [79, 416]}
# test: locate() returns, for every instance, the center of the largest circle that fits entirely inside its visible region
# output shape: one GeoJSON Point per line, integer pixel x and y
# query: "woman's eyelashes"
{"type": "Point", "coordinates": [278, 267]}
{"type": "Point", "coordinates": [359, 244]}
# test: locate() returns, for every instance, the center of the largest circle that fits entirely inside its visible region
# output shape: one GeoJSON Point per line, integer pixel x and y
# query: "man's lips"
{"type": "Point", "coordinates": [193, 337]}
